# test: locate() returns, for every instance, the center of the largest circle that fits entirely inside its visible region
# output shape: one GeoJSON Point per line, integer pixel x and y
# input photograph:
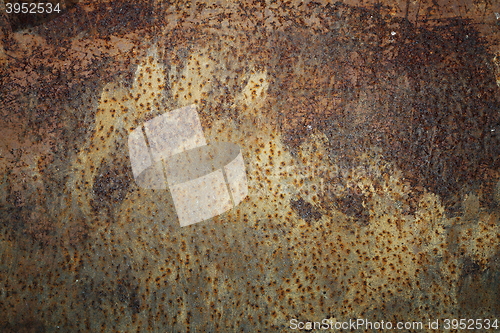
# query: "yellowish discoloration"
{"type": "Point", "coordinates": [387, 258]}
{"type": "Point", "coordinates": [120, 110]}
{"type": "Point", "coordinates": [192, 83]}
{"type": "Point", "coordinates": [254, 93]}
{"type": "Point", "coordinates": [496, 61]}
{"type": "Point", "coordinates": [317, 237]}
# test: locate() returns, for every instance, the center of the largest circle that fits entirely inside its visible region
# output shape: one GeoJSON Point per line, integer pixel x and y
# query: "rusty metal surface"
{"type": "Point", "coordinates": [370, 134]}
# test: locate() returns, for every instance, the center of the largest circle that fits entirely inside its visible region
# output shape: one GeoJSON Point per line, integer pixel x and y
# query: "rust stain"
{"type": "Point", "coordinates": [370, 136]}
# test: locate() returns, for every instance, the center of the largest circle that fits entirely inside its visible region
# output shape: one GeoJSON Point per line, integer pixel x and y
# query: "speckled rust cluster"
{"type": "Point", "coordinates": [371, 139]}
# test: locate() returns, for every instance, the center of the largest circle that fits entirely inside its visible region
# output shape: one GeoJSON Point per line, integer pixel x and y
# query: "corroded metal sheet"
{"type": "Point", "coordinates": [369, 133]}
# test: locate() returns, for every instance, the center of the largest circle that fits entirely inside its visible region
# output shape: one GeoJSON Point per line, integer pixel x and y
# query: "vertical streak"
{"type": "Point", "coordinates": [162, 162]}
{"type": "Point", "coordinates": [147, 143]}
{"type": "Point", "coordinates": [227, 185]}
{"type": "Point", "coordinates": [418, 11]}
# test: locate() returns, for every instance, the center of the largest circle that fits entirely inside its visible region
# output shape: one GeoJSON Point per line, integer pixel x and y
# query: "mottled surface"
{"type": "Point", "coordinates": [371, 140]}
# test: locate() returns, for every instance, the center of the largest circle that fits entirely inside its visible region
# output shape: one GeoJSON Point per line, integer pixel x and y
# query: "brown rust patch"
{"type": "Point", "coordinates": [110, 186]}
{"type": "Point", "coordinates": [425, 95]}
{"type": "Point", "coordinates": [325, 102]}
{"type": "Point", "coordinates": [305, 210]}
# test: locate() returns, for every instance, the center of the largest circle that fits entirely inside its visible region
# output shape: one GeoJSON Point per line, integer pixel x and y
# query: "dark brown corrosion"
{"type": "Point", "coordinates": [426, 96]}
{"type": "Point", "coordinates": [372, 162]}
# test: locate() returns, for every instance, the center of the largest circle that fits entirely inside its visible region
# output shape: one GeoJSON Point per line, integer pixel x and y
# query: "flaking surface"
{"type": "Point", "coordinates": [370, 135]}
